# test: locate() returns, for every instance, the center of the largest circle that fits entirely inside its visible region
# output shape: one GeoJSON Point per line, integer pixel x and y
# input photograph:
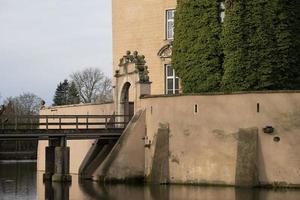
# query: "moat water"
{"type": "Point", "coordinates": [20, 181]}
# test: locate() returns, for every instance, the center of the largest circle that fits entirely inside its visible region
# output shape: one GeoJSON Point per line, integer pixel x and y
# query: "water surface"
{"type": "Point", "coordinates": [21, 181]}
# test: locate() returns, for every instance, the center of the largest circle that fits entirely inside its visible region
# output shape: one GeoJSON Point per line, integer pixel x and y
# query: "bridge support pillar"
{"type": "Point", "coordinates": [50, 159]}
{"type": "Point", "coordinates": [62, 163]}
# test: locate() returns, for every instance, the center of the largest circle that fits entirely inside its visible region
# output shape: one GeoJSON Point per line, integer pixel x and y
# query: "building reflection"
{"type": "Point", "coordinates": [89, 190]}
{"type": "Point", "coordinates": [57, 190]}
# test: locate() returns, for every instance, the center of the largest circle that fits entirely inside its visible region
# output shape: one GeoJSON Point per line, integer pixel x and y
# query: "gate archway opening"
{"type": "Point", "coordinates": [126, 104]}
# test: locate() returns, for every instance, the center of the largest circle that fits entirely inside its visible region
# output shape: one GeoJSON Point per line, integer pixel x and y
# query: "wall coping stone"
{"type": "Point", "coordinates": [221, 93]}
{"type": "Point", "coordinates": [77, 105]}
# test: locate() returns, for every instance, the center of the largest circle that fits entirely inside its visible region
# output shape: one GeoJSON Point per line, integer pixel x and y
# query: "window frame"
{"type": "Point", "coordinates": [222, 11]}
{"type": "Point", "coordinates": [167, 20]}
{"type": "Point", "coordinates": [173, 78]}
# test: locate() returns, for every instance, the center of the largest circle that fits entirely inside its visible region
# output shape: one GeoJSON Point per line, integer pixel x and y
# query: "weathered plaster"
{"type": "Point", "coordinates": [211, 147]}
{"type": "Point", "coordinates": [126, 160]}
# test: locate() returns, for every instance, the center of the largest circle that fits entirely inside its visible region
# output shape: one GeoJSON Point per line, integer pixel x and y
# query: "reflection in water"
{"type": "Point", "coordinates": [56, 190]}
{"type": "Point", "coordinates": [116, 191]}
{"type": "Point", "coordinates": [19, 181]}
{"type": "Point", "coordinates": [176, 192]}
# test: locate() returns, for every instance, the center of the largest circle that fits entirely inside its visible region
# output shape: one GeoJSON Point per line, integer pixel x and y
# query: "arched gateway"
{"type": "Point", "coordinates": [131, 82]}
{"type": "Point", "coordinates": [126, 104]}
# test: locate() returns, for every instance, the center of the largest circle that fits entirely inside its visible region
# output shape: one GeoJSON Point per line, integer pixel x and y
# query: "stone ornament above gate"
{"type": "Point", "coordinates": [139, 63]}
{"type": "Point", "coordinates": [165, 51]}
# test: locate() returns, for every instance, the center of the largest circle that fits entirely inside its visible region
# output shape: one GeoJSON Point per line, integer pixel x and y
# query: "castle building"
{"type": "Point", "coordinates": [140, 26]}
{"type": "Point", "coordinates": [149, 30]}
{"type": "Point", "coordinates": [240, 139]}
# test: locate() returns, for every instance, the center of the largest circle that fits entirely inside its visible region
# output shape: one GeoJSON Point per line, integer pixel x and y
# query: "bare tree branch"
{"type": "Point", "coordinates": [93, 86]}
{"type": "Point", "coordinates": [24, 104]}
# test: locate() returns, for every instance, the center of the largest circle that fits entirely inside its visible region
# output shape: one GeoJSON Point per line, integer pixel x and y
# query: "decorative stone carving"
{"type": "Point", "coordinates": [126, 59]}
{"type": "Point", "coordinates": [140, 67]}
{"type": "Point", "coordinates": [42, 104]}
{"type": "Point", "coordinates": [165, 51]}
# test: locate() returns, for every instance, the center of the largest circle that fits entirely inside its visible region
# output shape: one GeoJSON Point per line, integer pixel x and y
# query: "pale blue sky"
{"type": "Point", "coordinates": [43, 41]}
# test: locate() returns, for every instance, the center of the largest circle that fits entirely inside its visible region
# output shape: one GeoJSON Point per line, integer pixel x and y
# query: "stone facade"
{"type": "Point", "coordinates": [213, 139]}
{"type": "Point", "coordinates": [235, 139]}
{"type": "Point", "coordinates": [140, 26]}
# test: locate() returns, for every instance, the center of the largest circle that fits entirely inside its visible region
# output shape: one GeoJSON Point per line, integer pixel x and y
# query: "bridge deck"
{"type": "Point", "coordinates": [69, 134]}
{"type": "Point", "coordinates": [44, 127]}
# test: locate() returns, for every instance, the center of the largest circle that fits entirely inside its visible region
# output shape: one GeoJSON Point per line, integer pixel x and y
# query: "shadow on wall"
{"type": "Point", "coordinates": [160, 171]}
{"type": "Point", "coordinates": [246, 161]}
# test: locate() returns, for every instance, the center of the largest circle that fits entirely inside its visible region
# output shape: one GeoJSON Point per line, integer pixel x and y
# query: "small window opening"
{"type": "Point", "coordinates": [196, 108]}
{"type": "Point", "coordinates": [258, 107]}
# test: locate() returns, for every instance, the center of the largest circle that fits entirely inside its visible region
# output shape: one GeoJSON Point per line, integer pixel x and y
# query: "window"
{"type": "Point", "coordinates": [172, 81]}
{"type": "Point", "coordinates": [170, 24]}
{"type": "Point", "coordinates": [222, 11]}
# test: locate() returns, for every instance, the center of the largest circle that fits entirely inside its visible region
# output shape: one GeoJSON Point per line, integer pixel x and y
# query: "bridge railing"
{"type": "Point", "coordinates": [62, 121]}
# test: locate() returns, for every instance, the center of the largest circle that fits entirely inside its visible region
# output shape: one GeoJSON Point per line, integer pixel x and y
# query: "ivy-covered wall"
{"type": "Point", "coordinates": [256, 48]}
{"type": "Point", "coordinates": [197, 53]}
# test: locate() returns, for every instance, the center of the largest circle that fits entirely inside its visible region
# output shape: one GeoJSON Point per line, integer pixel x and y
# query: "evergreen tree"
{"type": "Point", "coordinates": [261, 45]}
{"type": "Point", "coordinates": [61, 94]}
{"type": "Point", "coordinates": [58, 100]}
{"type": "Point", "coordinates": [197, 53]}
{"type": "Point", "coordinates": [73, 95]}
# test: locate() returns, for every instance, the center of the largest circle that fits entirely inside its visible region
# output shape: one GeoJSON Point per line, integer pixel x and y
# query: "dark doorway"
{"type": "Point", "coordinates": [127, 106]}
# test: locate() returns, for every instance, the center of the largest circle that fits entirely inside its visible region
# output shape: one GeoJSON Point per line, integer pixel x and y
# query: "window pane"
{"type": "Point", "coordinates": [170, 24]}
{"type": "Point", "coordinates": [176, 91]}
{"type": "Point", "coordinates": [170, 92]}
{"type": "Point", "coordinates": [222, 16]}
{"type": "Point", "coordinates": [170, 70]}
{"type": "Point", "coordinates": [171, 29]}
{"type": "Point", "coordinates": [170, 84]}
{"type": "Point", "coordinates": [170, 14]}
{"type": "Point", "coordinates": [222, 5]}
{"type": "Point", "coordinates": [222, 11]}
{"type": "Point", "coordinates": [176, 83]}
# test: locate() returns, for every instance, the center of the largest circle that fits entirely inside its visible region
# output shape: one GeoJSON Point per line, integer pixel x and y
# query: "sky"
{"type": "Point", "coordinates": [43, 41]}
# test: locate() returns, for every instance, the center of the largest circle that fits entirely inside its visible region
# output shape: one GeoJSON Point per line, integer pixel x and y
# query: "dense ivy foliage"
{"type": "Point", "coordinates": [261, 45]}
{"type": "Point", "coordinates": [197, 54]}
{"type": "Point", "coordinates": [260, 41]}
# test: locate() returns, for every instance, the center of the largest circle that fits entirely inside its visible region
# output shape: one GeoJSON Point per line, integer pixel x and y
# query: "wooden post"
{"type": "Point", "coordinates": [59, 122]}
{"type": "Point", "coordinates": [30, 121]}
{"type": "Point", "coordinates": [47, 126]}
{"type": "Point", "coordinates": [76, 122]}
{"type": "Point", "coordinates": [87, 122]}
{"type": "Point", "coordinates": [16, 122]}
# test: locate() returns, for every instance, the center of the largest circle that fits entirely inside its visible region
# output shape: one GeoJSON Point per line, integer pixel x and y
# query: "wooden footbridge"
{"type": "Point", "coordinates": [57, 129]}
{"type": "Point", "coordinates": [44, 127]}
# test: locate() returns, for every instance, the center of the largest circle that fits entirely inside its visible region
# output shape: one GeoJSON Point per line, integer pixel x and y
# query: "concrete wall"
{"type": "Point", "coordinates": [126, 160]}
{"type": "Point", "coordinates": [140, 25]}
{"type": "Point", "coordinates": [223, 142]}
{"type": "Point", "coordinates": [78, 148]}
